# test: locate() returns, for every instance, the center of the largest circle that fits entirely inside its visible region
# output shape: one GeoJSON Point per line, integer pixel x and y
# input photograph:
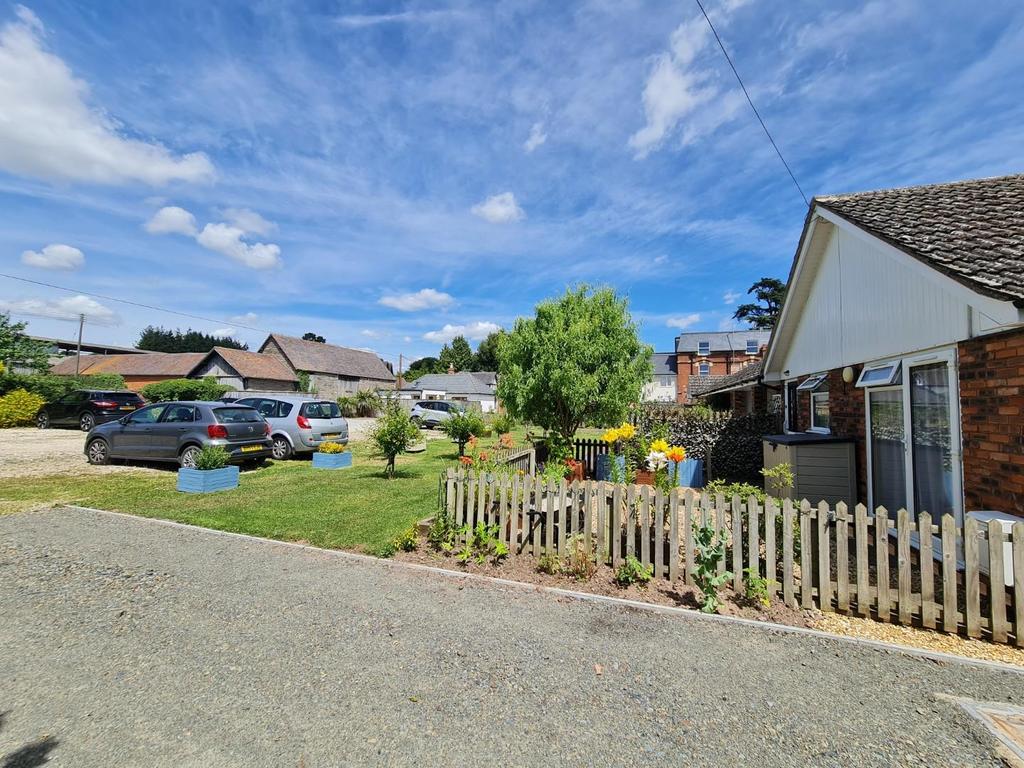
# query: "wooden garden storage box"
{"type": "Point", "coordinates": [824, 466]}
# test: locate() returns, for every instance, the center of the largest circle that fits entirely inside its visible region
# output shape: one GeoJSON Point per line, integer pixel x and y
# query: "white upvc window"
{"type": "Point", "coordinates": [752, 346]}
{"type": "Point", "coordinates": [703, 348]}
{"type": "Point", "coordinates": [819, 411]}
{"type": "Point", "coordinates": [812, 383]}
{"type": "Point", "coordinates": [704, 369]}
{"type": "Point", "coordinates": [884, 375]}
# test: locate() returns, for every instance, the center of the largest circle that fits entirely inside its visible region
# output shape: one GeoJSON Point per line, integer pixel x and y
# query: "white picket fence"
{"type": "Point", "coordinates": [833, 559]}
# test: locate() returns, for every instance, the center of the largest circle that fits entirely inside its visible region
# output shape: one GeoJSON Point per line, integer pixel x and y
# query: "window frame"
{"type": "Point", "coordinates": [826, 430]}
{"type": "Point", "coordinates": [812, 382]}
{"type": "Point", "coordinates": [703, 348]}
{"type": "Point", "coordinates": [703, 369]}
{"type": "Point", "coordinates": [756, 346]}
{"type": "Point", "coordinates": [893, 379]}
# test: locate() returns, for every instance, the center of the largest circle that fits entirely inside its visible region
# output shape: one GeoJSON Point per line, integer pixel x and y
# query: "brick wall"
{"type": "Point", "coordinates": [991, 407]}
{"type": "Point", "coordinates": [722, 363]}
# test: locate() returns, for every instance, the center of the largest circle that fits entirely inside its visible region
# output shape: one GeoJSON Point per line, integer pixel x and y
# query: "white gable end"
{"type": "Point", "coordinates": [863, 300]}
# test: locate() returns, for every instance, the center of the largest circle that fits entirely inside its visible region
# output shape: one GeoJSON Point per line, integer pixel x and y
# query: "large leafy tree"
{"type": "Point", "coordinates": [458, 355]}
{"type": "Point", "coordinates": [579, 360]}
{"type": "Point", "coordinates": [487, 352]}
{"type": "Point", "coordinates": [16, 347]}
{"type": "Point", "coordinates": [770, 294]}
{"type": "Point", "coordinates": [421, 367]}
{"type": "Point", "coordinates": [154, 339]}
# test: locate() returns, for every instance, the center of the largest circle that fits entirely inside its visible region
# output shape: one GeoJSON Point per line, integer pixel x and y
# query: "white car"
{"type": "Point", "coordinates": [299, 425]}
{"type": "Point", "coordinates": [430, 413]}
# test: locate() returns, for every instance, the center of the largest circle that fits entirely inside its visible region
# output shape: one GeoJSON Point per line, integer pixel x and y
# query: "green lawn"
{"type": "Point", "coordinates": [353, 508]}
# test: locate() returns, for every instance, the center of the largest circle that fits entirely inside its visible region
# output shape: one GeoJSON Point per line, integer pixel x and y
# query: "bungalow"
{"type": "Point", "coordinates": [903, 333]}
{"type": "Point", "coordinates": [471, 387]}
{"type": "Point", "coordinates": [137, 370]}
{"type": "Point", "coordinates": [333, 371]}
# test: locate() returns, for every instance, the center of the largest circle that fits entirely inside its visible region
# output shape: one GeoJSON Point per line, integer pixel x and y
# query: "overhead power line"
{"type": "Point", "coordinates": [751, 102]}
{"type": "Point", "coordinates": [134, 303]}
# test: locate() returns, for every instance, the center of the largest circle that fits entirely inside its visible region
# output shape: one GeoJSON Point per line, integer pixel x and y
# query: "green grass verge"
{"type": "Point", "coordinates": [355, 508]}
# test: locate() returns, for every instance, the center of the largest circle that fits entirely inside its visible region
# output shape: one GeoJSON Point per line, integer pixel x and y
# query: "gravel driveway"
{"type": "Point", "coordinates": [127, 642]}
{"type": "Point", "coordinates": [28, 451]}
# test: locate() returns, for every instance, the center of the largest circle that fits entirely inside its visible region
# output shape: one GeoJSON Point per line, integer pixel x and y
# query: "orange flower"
{"type": "Point", "coordinates": [466, 461]}
{"type": "Point", "coordinates": [472, 441]}
{"type": "Point", "coordinates": [676, 454]}
{"type": "Point", "coordinates": [483, 456]}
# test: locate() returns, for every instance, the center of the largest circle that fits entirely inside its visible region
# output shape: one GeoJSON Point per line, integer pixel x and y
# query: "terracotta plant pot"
{"type": "Point", "coordinates": [644, 477]}
{"type": "Point", "coordinates": [576, 473]}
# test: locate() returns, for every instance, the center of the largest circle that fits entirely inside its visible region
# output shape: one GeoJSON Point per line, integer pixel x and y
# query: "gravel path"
{"type": "Point", "coordinates": [127, 642]}
{"type": "Point", "coordinates": [28, 451]}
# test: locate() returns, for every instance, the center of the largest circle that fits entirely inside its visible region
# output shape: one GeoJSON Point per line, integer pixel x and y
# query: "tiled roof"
{"type": "Point", "coordinates": [253, 365]}
{"type": "Point", "coordinates": [701, 384]}
{"type": "Point", "coordinates": [314, 357]}
{"type": "Point", "coordinates": [721, 341]}
{"type": "Point", "coordinates": [748, 374]}
{"type": "Point", "coordinates": [664, 363]}
{"type": "Point", "coordinates": [451, 384]}
{"type": "Point", "coordinates": [972, 231]}
{"type": "Point", "coordinates": [487, 377]}
{"type": "Point", "coordinates": [178, 364]}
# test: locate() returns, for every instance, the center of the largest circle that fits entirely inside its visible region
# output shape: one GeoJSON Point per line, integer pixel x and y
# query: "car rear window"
{"type": "Point", "coordinates": [121, 398]}
{"type": "Point", "coordinates": [286, 408]}
{"type": "Point", "coordinates": [236, 415]}
{"type": "Point", "coordinates": [321, 410]}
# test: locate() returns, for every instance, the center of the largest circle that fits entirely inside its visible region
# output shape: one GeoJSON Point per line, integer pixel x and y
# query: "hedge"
{"type": "Point", "coordinates": [19, 408]}
{"type": "Point", "coordinates": [206, 388]}
{"type": "Point", "coordinates": [730, 445]}
{"type": "Point", "coordinates": [51, 387]}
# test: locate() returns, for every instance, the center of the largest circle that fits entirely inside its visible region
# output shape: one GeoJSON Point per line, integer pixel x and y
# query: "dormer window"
{"type": "Point", "coordinates": [703, 348]}
{"type": "Point", "coordinates": [752, 346]}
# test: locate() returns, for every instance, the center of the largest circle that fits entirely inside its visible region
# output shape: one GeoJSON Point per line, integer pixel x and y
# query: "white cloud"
{"type": "Point", "coordinates": [54, 256]}
{"type": "Point", "coordinates": [249, 318]}
{"type": "Point", "coordinates": [360, 20]}
{"type": "Point", "coordinates": [499, 209]}
{"type": "Point", "coordinates": [671, 93]}
{"type": "Point", "coordinates": [223, 332]}
{"type": "Point", "coordinates": [248, 221]}
{"type": "Point", "coordinates": [683, 321]}
{"type": "Point", "coordinates": [426, 298]}
{"type": "Point", "coordinates": [407, 339]}
{"type": "Point", "coordinates": [62, 309]}
{"type": "Point", "coordinates": [49, 130]}
{"type": "Point", "coordinates": [729, 297]}
{"type": "Point", "coordinates": [370, 334]}
{"type": "Point", "coordinates": [227, 240]}
{"type": "Point", "coordinates": [472, 331]}
{"type": "Point", "coordinates": [172, 220]}
{"type": "Point", "coordinates": [222, 238]}
{"type": "Point", "coordinates": [536, 138]}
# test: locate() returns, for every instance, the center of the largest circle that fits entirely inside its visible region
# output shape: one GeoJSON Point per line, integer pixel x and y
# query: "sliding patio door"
{"type": "Point", "coordinates": [888, 446]}
{"type": "Point", "coordinates": [931, 436]}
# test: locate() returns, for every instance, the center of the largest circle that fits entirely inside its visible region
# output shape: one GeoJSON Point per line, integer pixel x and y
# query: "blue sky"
{"type": "Point", "coordinates": [388, 174]}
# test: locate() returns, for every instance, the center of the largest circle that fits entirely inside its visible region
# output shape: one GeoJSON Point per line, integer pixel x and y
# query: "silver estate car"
{"type": "Point", "coordinates": [299, 424]}
{"type": "Point", "coordinates": [430, 413]}
{"type": "Point", "coordinates": [177, 431]}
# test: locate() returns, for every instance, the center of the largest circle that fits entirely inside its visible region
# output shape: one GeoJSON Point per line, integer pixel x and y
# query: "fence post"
{"type": "Point", "coordinates": [644, 518]}
{"type": "Point", "coordinates": [972, 577]}
{"type": "Point", "coordinates": [659, 533]}
{"type": "Point", "coordinates": [588, 504]}
{"type": "Point", "coordinates": [770, 564]}
{"type": "Point", "coordinates": [515, 509]}
{"type": "Point", "coordinates": [673, 535]}
{"type": "Point", "coordinates": [860, 536]}
{"type": "Point", "coordinates": [689, 520]}
{"type": "Point", "coordinates": [824, 559]}
{"type": "Point", "coordinates": [996, 581]}
{"type": "Point", "coordinates": [753, 536]}
{"type": "Point", "coordinates": [949, 572]}
{"type": "Point", "coordinates": [788, 593]}
{"type": "Point", "coordinates": [924, 533]}
{"type": "Point", "coordinates": [615, 525]}
{"type": "Point", "coordinates": [882, 562]}
{"type": "Point", "coordinates": [1017, 535]}
{"type": "Point", "coordinates": [806, 548]}
{"type": "Point", "coordinates": [842, 558]}
{"type": "Point", "coordinates": [737, 544]}
{"type": "Point", "coordinates": [903, 565]}
{"type": "Point", "coordinates": [503, 510]}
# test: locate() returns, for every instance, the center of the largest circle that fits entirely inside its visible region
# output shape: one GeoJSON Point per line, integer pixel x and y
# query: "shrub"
{"type": "Point", "coordinates": [705, 571]}
{"type": "Point", "coordinates": [51, 387]}
{"type": "Point", "coordinates": [503, 423]}
{"type": "Point", "coordinates": [348, 406]}
{"type": "Point", "coordinates": [441, 535]}
{"type": "Point", "coordinates": [332, 447]}
{"type": "Point", "coordinates": [632, 571]}
{"type": "Point", "coordinates": [756, 588]}
{"type": "Point", "coordinates": [387, 549]}
{"type": "Point", "coordinates": [368, 403]}
{"type": "Point", "coordinates": [549, 563]}
{"type": "Point", "coordinates": [482, 542]}
{"type": "Point", "coordinates": [728, 490]}
{"type": "Point", "coordinates": [206, 388]}
{"type": "Point", "coordinates": [19, 408]}
{"type": "Point", "coordinates": [408, 541]}
{"type": "Point", "coordinates": [582, 564]}
{"type": "Point", "coordinates": [461, 427]}
{"type": "Point", "coordinates": [212, 457]}
{"type": "Point", "coordinates": [393, 434]}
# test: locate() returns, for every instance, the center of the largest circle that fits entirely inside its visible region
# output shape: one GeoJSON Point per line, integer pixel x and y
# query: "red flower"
{"type": "Point", "coordinates": [466, 461]}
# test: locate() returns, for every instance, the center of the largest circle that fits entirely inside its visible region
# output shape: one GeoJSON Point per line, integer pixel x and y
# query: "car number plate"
{"type": "Point", "coordinates": [127, 407]}
{"type": "Point", "coordinates": [327, 435]}
{"type": "Point", "coordinates": [251, 448]}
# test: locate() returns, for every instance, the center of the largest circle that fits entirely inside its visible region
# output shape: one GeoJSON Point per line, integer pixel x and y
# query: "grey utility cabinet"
{"type": "Point", "coordinates": [824, 466]}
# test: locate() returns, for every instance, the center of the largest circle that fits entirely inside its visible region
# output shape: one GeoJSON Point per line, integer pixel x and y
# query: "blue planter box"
{"type": "Point", "coordinates": [603, 469]}
{"type": "Point", "coordinates": [332, 460]}
{"type": "Point", "coordinates": [207, 480]}
{"type": "Point", "coordinates": [691, 472]}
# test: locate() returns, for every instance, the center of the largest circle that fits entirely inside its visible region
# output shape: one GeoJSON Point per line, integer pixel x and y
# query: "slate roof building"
{"type": "Point", "coordinates": [662, 386]}
{"type": "Point", "coordinates": [903, 331]}
{"type": "Point", "coordinates": [472, 387]}
{"type": "Point", "coordinates": [703, 358]}
{"type": "Point", "coordinates": [333, 371]}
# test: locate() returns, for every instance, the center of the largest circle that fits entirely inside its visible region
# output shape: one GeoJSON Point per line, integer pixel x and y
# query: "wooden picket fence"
{"type": "Point", "coordinates": [587, 450]}
{"type": "Point", "coordinates": [833, 559]}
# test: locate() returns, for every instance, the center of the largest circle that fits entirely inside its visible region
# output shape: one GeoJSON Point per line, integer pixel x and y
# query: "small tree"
{"type": "Point", "coordinates": [16, 347]}
{"type": "Point", "coordinates": [462, 426]}
{"type": "Point", "coordinates": [578, 361]}
{"type": "Point", "coordinates": [770, 294]}
{"type": "Point", "coordinates": [393, 434]}
{"type": "Point", "coordinates": [458, 356]}
{"type": "Point", "coordinates": [310, 336]}
{"type": "Point", "coordinates": [487, 353]}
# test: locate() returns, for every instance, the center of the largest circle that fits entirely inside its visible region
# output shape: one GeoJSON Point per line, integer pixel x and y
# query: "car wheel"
{"type": "Point", "coordinates": [187, 458]}
{"type": "Point", "coordinates": [98, 452]}
{"type": "Point", "coordinates": [43, 420]}
{"type": "Point", "coordinates": [86, 422]}
{"type": "Point", "coordinates": [281, 448]}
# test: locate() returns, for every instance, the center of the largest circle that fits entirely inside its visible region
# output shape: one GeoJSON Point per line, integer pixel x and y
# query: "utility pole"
{"type": "Point", "coordinates": [78, 356]}
{"type": "Point", "coordinates": [398, 384]}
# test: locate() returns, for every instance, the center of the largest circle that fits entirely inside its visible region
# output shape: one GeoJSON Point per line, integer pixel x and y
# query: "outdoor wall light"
{"type": "Point", "coordinates": [848, 374]}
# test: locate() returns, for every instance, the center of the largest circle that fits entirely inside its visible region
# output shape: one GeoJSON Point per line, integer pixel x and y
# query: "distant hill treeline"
{"type": "Point", "coordinates": [154, 339]}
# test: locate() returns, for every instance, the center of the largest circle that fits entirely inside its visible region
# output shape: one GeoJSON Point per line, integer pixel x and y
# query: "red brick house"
{"type": "Point", "coordinates": [704, 358]}
{"type": "Point", "coordinates": [903, 330]}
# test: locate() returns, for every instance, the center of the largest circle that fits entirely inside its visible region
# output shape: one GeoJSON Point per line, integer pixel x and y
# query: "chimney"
{"type": "Point", "coordinates": [451, 368]}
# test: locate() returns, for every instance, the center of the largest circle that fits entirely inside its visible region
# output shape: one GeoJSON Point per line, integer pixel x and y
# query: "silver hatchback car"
{"type": "Point", "coordinates": [299, 424]}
